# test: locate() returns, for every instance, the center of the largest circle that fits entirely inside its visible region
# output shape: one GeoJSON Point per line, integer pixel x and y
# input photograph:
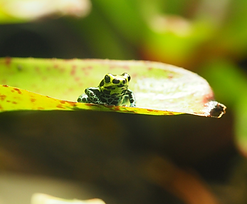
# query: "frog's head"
{"type": "Point", "coordinates": [114, 84]}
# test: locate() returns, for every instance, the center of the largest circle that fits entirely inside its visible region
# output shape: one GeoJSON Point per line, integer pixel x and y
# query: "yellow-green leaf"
{"type": "Point", "coordinates": [160, 89]}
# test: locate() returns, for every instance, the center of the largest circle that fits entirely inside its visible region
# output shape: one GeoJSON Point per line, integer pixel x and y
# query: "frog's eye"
{"type": "Point", "coordinates": [115, 81]}
{"type": "Point", "coordinates": [126, 75]}
{"type": "Point", "coordinates": [107, 78]}
{"type": "Point", "coordinates": [124, 81]}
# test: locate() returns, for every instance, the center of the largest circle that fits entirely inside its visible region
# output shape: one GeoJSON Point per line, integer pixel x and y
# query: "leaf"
{"type": "Point", "coordinates": [240, 125]}
{"type": "Point", "coordinates": [160, 89]}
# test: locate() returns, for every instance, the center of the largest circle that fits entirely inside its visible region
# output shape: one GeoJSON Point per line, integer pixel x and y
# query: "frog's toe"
{"type": "Point", "coordinates": [133, 105]}
{"type": "Point", "coordinates": [79, 99]}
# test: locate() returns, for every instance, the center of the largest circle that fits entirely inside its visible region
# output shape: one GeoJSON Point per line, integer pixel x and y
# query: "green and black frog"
{"type": "Point", "coordinates": [112, 90]}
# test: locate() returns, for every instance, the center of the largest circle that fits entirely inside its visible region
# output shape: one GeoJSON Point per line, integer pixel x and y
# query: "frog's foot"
{"type": "Point", "coordinates": [132, 105]}
{"type": "Point", "coordinates": [83, 99]}
{"type": "Point", "coordinates": [95, 101]}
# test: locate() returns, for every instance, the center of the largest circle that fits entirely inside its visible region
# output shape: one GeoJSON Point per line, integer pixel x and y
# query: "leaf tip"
{"type": "Point", "coordinates": [215, 109]}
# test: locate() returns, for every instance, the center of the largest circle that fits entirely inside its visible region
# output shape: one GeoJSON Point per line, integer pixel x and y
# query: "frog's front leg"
{"type": "Point", "coordinates": [87, 96]}
{"type": "Point", "coordinates": [93, 95]}
{"type": "Point", "coordinates": [131, 98]}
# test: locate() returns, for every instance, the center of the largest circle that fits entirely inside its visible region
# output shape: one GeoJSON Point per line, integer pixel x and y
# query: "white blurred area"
{"type": "Point", "coordinates": [35, 9]}
{"type": "Point", "coordinates": [19, 188]}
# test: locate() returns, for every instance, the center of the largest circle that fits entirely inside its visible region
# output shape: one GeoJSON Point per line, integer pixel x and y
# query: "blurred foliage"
{"type": "Point", "coordinates": [20, 11]}
{"type": "Point", "coordinates": [206, 36]}
{"type": "Point", "coordinates": [184, 33]}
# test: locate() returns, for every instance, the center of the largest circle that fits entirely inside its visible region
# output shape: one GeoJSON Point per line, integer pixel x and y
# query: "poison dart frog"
{"type": "Point", "coordinates": [112, 90]}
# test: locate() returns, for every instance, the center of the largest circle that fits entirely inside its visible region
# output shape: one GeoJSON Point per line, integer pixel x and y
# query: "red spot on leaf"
{"type": "Point", "coordinates": [1, 108]}
{"type": "Point", "coordinates": [68, 102]}
{"type": "Point", "coordinates": [126, 67]}
{"type": "Point", "coordinates": [86, 70]}
{"type": "Point", "coordinates": [7, 61]}
{"type": "Point", "coordinates": [56, 66]}
{"type": "Point", "coordinates": [170, 76]}
{"type": "Point", "coordinates": [169, 113]}
{"type": "Point", "coordinates": [134, 75]}
{"type": "Point", "coordinates": [2, 97]}
{"type": "Point", "coordinates": [60, 106]}
{"type": "Point", "coordinates": [14, 102]}
{"type": "Point", "coordinates": [152, 110]}
{"type": "Point", "coordinates": [40, 108]}
{"type": "Point", "coordinates": [71, 103]}
{"type": "Point", "coordinates": [62, 69]}
{"type": "Point", "coordinates": [37, 70]}
{"type": "Point", "coordinates": [5, 86]}
{"type": "Point", "coordinates": [17, 90]}
{"type": "Point", "coordinates": [88, 104]}
{"type": "Point", "coordinates": [32, 100]}
{"type": "Point", "coordinates": [117, 108]}
{"type": "Point", "coordinates": [73, 70]}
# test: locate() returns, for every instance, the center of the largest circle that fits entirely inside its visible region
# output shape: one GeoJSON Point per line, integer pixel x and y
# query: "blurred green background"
{"type": "Point", "coordinates": [132, 158]}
